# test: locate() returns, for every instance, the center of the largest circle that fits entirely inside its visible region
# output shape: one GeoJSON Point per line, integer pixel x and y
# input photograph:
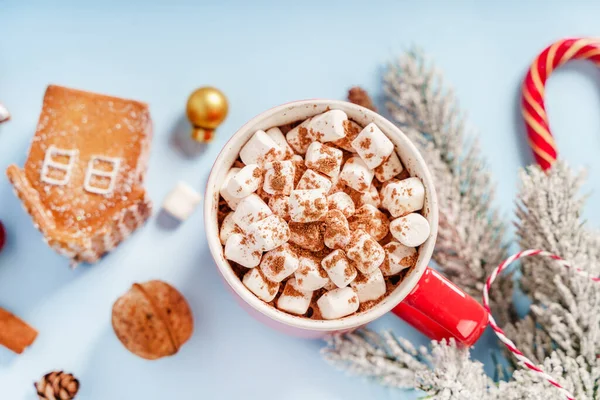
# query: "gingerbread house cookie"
{"type": "Point", "coordinates": [83, 179]}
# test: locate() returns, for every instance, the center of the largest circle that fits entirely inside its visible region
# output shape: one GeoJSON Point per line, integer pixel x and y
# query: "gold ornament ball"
{"type": "Point", "coordinates": [207, 107]}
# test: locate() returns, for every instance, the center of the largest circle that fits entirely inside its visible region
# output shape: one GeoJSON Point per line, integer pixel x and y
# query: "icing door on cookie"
{"type": "Point", "coordinates": [101, 174]}
{"type": "Point", "coordinates": [58, 165]}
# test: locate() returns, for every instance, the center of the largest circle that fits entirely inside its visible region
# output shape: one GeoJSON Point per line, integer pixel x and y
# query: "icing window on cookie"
{"type": "Point", "coordinates": [57, 166]}
{"type": "Point", "coordinates": [101, 174]}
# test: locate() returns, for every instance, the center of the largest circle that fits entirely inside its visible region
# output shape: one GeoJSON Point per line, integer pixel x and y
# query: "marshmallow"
{"type": "Point", "coordinates": [238, 249]}
{"type": "Point", "coordinates": [313, 180]}
{"type": "Point", "coordinates": [356, 174]}
{"type": "Point", "coordinates": [269, 232]}
{"type": "Point", "coordinates": [338, 303]}
{"type": "Point", "coordinates": [260, 149]}
{"type": "Point", "coordinates": [369, 287]}
{"type": "Point", "coordinates": [389, 168]}
{"type": "Point", "coordinates": [299, 137]}
{"type": "Point", "coordinates": [229, 198]}
{"type": "Point", "coordinates": [246, 181]}
{"type": "Point", "coordinates": [279, 177]}
{"type": "Point", "coordinates": [228, 227]}
{"type": "Point", "coordinates": [293, 299]}
{"type": "Point", "coordinates": [307, 205]}
{"type": "Point", "coordinates": [309, 275]}
{"type": "Point", "coordinates": [259, 285]}
{"type": "Point", "coordinates": [4, 114]}
{"type": "Point", "coordinates": [352, 130]}
{"type": "Point", "coordinates": [307, 236]}
{"type": "Point", "coordinates": [397, 258]}
{"type": "Point", "coordinates": [371, 220]}
{"type": "Point", "coordinates": [279, 263]}
{"type": "Point", "coordinates": [341, 201]}
{"type": "Point", "coordinates": [403, 197]}
{"type": "Point", "coordinates": [337, 232]}
{"type": "Point", "coordinates": [328, 126]}
{"type": "Point", "coordinates": [280, 205]}
{"type": "Point", "coordinates": [365, 252]}
{"type": "Point", "coordinates": [181, 201]}
{"type": "Point", "coordinates": [339, 269]}
{"type": "Point", "coordinates": [323, 158]}
{"type": "Point", "coordinates": [250, 210]}
{"type": "Point", "coordinates": [278, 137]}
{"type": "Point", "coordinates": [412, 230]}
{"type": "Point", "coordinates": [373, 146]}
{"type": "Point", "coordinates": [371, 196]}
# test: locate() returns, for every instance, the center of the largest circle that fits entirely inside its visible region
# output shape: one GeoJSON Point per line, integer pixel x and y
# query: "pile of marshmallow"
{"type": "Point", "coordinates": [272, 214]}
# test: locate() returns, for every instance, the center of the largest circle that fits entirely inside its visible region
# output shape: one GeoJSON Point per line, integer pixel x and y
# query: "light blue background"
{"type": "Point", "coordinates": [260, 54]}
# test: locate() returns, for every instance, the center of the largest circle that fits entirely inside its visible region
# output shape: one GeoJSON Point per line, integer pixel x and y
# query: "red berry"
{"type": "Point", "coordinates": [2, 236]}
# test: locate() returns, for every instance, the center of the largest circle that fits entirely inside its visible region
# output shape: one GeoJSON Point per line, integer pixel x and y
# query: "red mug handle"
{"type": "Point", "coordinates": [441, 310]}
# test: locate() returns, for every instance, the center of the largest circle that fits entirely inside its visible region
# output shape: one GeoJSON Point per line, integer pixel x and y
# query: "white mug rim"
{"type": "Point", "coordinates": [407, 285]}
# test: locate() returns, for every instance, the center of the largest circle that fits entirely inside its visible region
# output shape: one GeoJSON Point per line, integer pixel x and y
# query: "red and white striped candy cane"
{"type": "Point", "coordinates": [533, 109]}
{"type": "Point", "coordinates": [500, 333]}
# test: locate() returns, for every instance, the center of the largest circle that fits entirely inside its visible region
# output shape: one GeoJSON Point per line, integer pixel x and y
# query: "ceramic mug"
{"type": "Point", "coordinates": [425, 299]}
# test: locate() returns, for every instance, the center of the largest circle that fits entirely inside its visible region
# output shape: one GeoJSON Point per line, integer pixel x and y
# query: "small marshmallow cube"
{"type": "Point", "coordinates": [280, 205]}
{"type": "Point", "coordinates": [299, 137]}
{"type": "Point", "coordinates": [228, 228]}
{"type": "Point", "coordinates": [397, 258]}
{"type": "Point", "coordinates": [238, 249]}
{"type": "Point", "coordinates": [389, 168]}
{"type": "Point", "coordinates": [279, 263]}
{"type": "Point", "coordinates": [337, 231]}
{"type": "Point", "coordinates": [324, 159]}
{"type": "Point", "coordinates": [328, 126]}
{"type": "Point", "coordinates": [373, 146]}
{"type": "Point", "coordinates": [313, 180]}
{"type": "Point", "coordinates": [371, 220]}
{"type": "Point", "coordinates": [341, 201]}
{"type": "Point", "coordinates": [309, 275]}
{"type": "Point", "coordinates": [307, 205]}
{"type": "Point", "coordinates": [229, 198]}
{"type": "Point", "coordinates": [269, 232]}
{"type": "Point", "coordinates": [4, 114]}
{"type": "Point", "coordinates": [260, 149]}
{"type": "Point", "coordinates": [412, 230]}
{"type": "Point", "coordinates": [352, 130]}
{"type": "Point", "coordinates": [259, 285]}
{"type": "Point", "coordinates": [338, 303]}
{"type": "Point", "coordinates": [339, 269]}
{"type": "Point", "coordinates": [365, 252]}
{"type": "Point", "coordinates": [279, 177]}
{"type": "Point", "coordinates": [181, 201]}
{"type": "Point", "coordinates": [250, 210]}
{"type": "Point", "coordinates": [293, 299]}
{"type": "Point", "coordinates": [356, 174]}
{"type": "Point", "coordinates": [246, 181]}
{"type": "Point", "coordinates": [278, 137]}
{"type": "Point", "coordinates": [307, 236]}
{"type": "Point", "coordinates": [369, 287]}
{"type": "Point", "coordinates": [403, 197]}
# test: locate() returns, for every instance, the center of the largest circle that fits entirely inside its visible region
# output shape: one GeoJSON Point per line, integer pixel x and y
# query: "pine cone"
{"type": "Point", "coordinates": [358, 95]}
{"type": "Point", "coordinates": [57, 386]}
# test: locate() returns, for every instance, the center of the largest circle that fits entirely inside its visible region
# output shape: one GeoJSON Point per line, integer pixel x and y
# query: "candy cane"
{"type": "Point", "coordinates": [500, 333]}
{"type": "Point", "coordinates": [533, 109]}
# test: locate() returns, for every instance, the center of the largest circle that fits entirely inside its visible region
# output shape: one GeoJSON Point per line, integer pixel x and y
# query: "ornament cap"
{"type": "Point", "coordinates": [202, 135]}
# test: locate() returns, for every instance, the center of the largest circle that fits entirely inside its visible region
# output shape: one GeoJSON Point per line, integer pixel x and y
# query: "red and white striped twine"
{"type": "Point", "coordinates": [500, 333]}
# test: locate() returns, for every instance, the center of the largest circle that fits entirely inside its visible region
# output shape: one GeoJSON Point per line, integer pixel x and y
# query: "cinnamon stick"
{"type": "Point", "coordinates": [15, 334]}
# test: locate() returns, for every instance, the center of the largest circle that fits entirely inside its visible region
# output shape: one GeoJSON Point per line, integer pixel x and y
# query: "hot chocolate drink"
{"type": "Point", "coordinates": [319, 218]}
